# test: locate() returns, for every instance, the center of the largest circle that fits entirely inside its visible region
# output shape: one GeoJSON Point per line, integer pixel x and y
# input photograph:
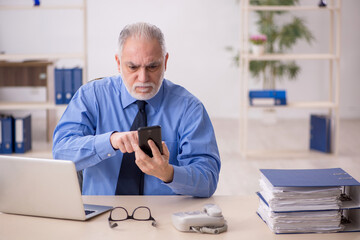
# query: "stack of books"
{"type": "Point", "coordinates": [309, 200]}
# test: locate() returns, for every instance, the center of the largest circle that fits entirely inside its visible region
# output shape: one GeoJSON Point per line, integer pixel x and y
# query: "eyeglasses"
{"type": "Point", "coordinates": [141, 213]}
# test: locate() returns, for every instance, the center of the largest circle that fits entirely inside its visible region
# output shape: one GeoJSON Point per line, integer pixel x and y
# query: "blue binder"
{"type": "Point", "coordinates": [59, 86]}
{"type": "Point", "coordinates": [68, 85]}
{"type": "Point", "coordinates": [320, 133]}
{"type": "Point", "coordinates": [274, 97]}
{"type": "Point", "coordinates": [7, 124]}
{"type": "Point", "coordinates": [329, 177]}
{"type": "Point", "coordinates": [77, 79]}
{"type": "Point", "coordinates": [267, 94]}
{"type": "Point", "coordinates": [22, 134]}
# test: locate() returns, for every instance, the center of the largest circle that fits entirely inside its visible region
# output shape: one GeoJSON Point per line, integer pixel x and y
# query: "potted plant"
{"type": "Point", "coordinates": [279, 39]}
{"type": "Point", "coordinates": [258, 44]}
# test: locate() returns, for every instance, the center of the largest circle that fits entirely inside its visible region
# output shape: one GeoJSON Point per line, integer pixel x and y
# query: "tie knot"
{"type": "Point", "coordinates": [141, 105]}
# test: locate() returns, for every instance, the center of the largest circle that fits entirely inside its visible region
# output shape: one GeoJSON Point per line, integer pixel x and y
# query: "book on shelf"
{"type": "Point", "coordinates": [320, 133]}
{"type": "Point", "coordinates": [267, 97]}
{"type": "Point", "coordinates": [309, 200]}
{"type": "Point", "coordinates": [7, 135]}
{"type": "Point", "coordinates": [67, 78]}
{"type": "Point", "coordinates": [59, 86]}
{"type": "Point", "coordinates": [67, 82]}
{"type": "Point", "coordinates": [76, 79]}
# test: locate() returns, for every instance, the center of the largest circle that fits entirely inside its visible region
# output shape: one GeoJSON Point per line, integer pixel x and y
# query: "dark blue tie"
{"type": "Point", "coordinates": [131, 178]}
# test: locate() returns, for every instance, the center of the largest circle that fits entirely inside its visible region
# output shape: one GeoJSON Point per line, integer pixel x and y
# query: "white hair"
{"type": "Point", "coordinates": [141, 30]}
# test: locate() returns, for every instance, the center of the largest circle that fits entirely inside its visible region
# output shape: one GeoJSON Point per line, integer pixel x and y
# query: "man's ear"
{"type": "Point", "coordinates": [118, 62]}
{"type": "Point", "coordinates": [166, 59]}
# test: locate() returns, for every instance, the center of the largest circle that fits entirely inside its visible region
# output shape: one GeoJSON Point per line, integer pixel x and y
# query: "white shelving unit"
{"type": "Point", "coordinates": [333, 56]}
{"type": "Point", "coordinates": [49, 105]}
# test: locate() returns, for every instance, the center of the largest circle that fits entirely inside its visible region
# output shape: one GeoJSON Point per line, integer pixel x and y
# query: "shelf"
{"type": "Point", "coordinates": [29, 59]}
{"type": "Point", "coordinates": [330, 104]}
{"type": "Point", "coordinates": [290, 8]}
{"type": "Point", "coordinates": [274, 57]}
{"type": "Point", "coordinates": [284, 153]}
{"type": "Point", "coordinates": [41, 7]}
{"type": "Point", "coordinates": [301, 105]}
{"type": "Point", "coordinates": [30, 106]}
{"type": "Point", "coordinates": [24, 57]}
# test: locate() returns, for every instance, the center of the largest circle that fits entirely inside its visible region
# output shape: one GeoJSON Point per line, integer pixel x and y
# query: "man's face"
{"type": "Point", "coordinates": [142, 67]}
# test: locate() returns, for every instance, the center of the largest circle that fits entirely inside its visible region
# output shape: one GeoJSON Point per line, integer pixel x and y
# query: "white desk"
{"type": "Point", "coordinates": [240, 212]}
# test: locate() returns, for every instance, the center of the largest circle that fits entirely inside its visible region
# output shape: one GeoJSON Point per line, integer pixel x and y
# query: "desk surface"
{"type": "Point", "coordinates": [239, 212]}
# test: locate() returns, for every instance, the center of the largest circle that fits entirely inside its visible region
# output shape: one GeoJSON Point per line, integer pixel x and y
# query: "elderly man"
{"type": "Point", "coordinates": [98, 129]}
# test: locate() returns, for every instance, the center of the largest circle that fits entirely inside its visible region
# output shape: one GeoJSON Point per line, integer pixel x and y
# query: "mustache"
{"type": "Point", "coordinates": [147, 84]}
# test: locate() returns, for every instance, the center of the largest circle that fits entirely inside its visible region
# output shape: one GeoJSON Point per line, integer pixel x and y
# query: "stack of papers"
{"type": "Point", "coordinates": [300, 198]}
{"type": "Point", "coordinates": [303, 201]}
{"type": "Point", "coordinates": [296, 222]}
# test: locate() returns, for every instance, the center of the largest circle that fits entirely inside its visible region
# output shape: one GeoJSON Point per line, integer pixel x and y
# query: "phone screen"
{"type": "Point", "coordinates": [153, 133]}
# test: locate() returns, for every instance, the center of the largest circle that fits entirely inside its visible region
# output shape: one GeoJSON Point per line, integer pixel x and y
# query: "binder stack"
{"type": "Point", "coordinates": [309, 200]}
{"type": "Point", "coordinates": [15, 134]}
{"type": "Point", "coordinates": [67, 82]}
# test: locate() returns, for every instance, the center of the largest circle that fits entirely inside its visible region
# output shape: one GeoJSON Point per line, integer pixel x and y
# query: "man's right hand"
{"type": "Point", "coordinates": [124, 140]}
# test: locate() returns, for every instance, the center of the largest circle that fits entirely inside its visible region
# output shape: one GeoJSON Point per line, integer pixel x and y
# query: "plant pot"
{"type": "Point", "coordinates": [258, 49]}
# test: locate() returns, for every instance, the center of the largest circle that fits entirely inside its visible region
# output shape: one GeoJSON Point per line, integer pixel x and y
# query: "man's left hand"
{"type": "Point", "coordinates": [157, 166]}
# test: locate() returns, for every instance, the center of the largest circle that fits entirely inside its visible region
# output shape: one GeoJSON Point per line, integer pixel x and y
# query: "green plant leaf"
{"type": "Point", "coordinates": [292, 32]}
{"type": "Point", "coordinates": [293, 70]}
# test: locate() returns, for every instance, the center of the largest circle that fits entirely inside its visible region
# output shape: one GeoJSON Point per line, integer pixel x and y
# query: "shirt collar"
{"type": "Point", "coordinates": [127, 99]}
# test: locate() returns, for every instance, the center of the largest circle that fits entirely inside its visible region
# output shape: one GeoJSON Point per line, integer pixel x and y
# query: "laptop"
{"type": "Point", "coordinates": [43, 187]}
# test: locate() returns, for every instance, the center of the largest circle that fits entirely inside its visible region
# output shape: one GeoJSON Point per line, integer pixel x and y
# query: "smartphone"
{"type": "Point", "coordinates": [153, 133]}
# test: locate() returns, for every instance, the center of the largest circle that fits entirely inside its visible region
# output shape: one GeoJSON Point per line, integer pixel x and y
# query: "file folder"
{"type": "Point", "coordinates": [320, 133]}
{"type": "Point", "coordinates": [59, 86]}
{"type": "Point", "coordinates": [77, 79]}
{"type": "Point", "coordinates": [22, 134]}
{"type": "Point", "coordinates": [7, 123]}
{"type": "Point", "coordinates": [68, 85]}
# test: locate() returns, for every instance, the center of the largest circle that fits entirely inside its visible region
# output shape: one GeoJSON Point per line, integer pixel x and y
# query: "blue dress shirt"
{"type": "Point", "coordinates": [103, 106]}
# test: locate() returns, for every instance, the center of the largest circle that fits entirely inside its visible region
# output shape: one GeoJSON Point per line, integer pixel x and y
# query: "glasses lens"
{"type": "Point", "coordinates": [142, 213]}
{"type": "Point", "coordinates": [119, 214]}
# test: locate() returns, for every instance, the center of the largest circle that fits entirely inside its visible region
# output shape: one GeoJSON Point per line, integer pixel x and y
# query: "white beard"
{"type": "Point", "coordinates": [143, 96]}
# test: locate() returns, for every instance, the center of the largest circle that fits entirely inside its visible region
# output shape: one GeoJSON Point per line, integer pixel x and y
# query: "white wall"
{"type": "Point", "coordinates": [197, 33]}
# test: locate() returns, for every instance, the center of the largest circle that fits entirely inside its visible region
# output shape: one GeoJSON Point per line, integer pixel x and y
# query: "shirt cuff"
{"type": "Point", "coordinates": [103, 146]}
{"type": "Point", "coordinates": [179, 181]}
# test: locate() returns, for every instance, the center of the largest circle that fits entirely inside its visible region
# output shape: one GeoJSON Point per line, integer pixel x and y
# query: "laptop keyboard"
{"type": "Point", "coordinates": [87, 212]}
